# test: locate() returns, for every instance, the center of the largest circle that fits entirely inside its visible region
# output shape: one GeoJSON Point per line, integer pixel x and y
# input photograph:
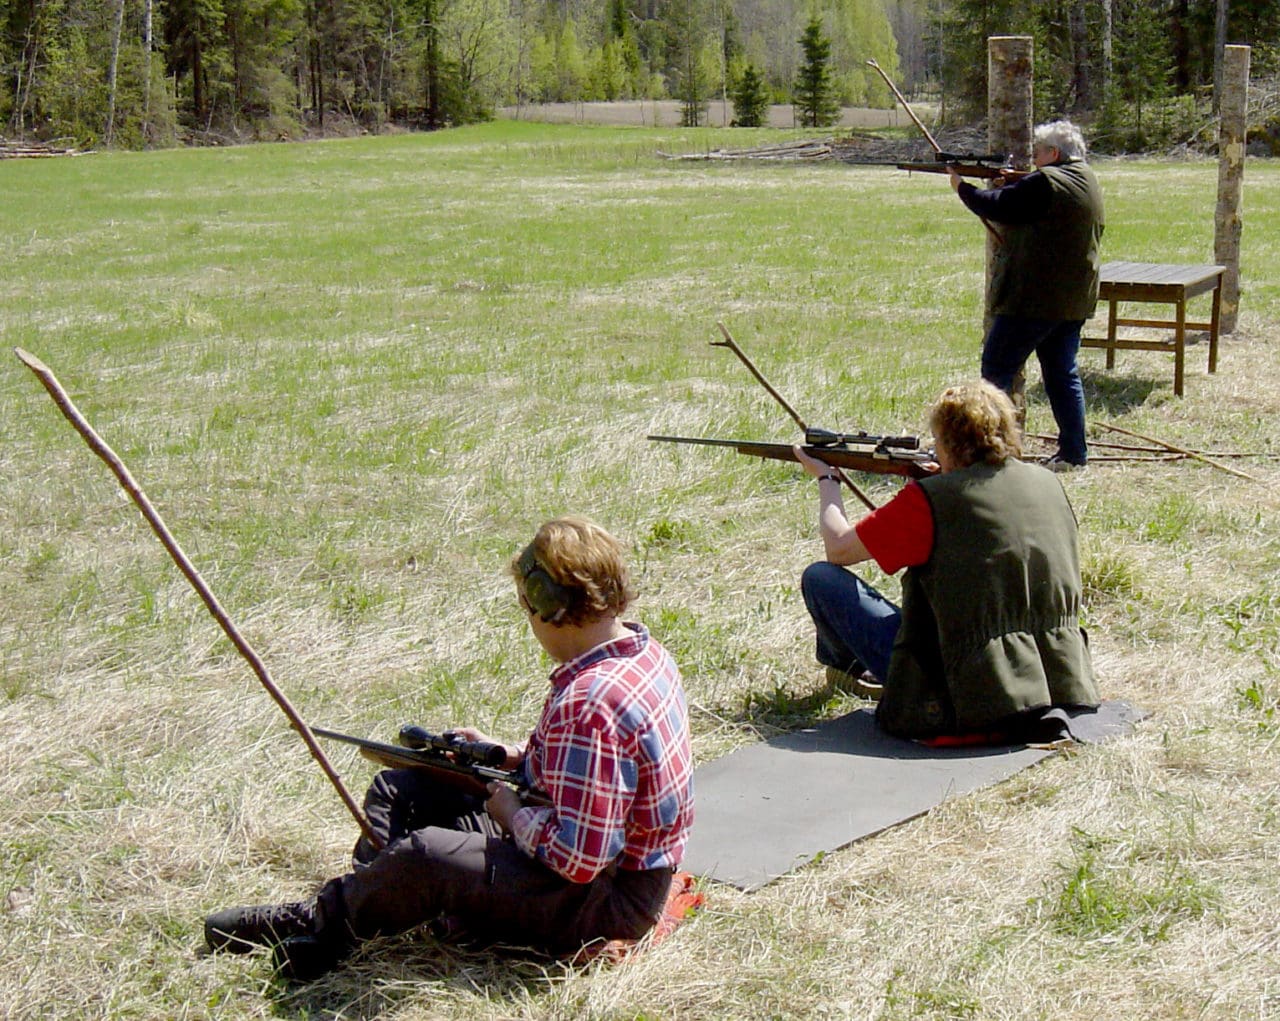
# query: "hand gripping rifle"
{"type": "Point", "coordinates": [469, 766]}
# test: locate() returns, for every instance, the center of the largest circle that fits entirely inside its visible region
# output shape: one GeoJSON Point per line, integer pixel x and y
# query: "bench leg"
{"type": "Point", "coordinates": [1111, 335]}
{"type": "Point", "coordinates": [1213, 325]}
{"type": "Point", "coordinates": [1179, 350]}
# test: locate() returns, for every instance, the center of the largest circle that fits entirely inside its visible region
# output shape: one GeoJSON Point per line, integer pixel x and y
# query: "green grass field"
{"type": "Point", "coordinates": [353, 376]}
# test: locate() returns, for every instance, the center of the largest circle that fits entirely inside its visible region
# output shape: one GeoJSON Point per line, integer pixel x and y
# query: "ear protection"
{"type": "Point", "coordinates": [549, 599]}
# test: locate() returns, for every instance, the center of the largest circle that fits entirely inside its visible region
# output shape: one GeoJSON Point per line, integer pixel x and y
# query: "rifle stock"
{"type": "Point", "coordinates": [878, 460]}
{"type": "Point", "coordinates": [471, 778]}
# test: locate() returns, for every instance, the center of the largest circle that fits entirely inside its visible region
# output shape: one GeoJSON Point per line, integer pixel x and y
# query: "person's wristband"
{"type": "Point", "coordinates": [829, 477]}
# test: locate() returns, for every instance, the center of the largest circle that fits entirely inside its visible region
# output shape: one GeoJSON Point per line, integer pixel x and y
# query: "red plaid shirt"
{"type": "Point", "coordinates": [611, 750]}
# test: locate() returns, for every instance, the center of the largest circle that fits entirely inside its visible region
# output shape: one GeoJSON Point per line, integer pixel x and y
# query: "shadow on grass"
{"type": "Point", "coordinates": [786, 709]}
{"type": "Point", "coordinates": [388, 976]}
{"type": "Point", "coordinates": [1109, 393]}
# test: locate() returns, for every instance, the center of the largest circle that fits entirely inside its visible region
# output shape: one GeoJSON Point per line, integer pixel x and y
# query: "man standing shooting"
{"type": "Point", "coordinates": [610, 753]}
{"type": "Point", "coordinates": [1044, 281]}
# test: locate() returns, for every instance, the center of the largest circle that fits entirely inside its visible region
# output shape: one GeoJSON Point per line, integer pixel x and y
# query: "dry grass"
{"type": "Point", "coordinates": [350, 413]}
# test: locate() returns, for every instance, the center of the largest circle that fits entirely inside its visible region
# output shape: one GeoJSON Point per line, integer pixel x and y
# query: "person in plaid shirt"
{"type": "Point", "coordinates": [611, 754]}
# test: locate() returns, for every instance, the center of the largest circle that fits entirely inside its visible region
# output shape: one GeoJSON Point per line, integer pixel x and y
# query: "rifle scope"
{"type": "Point", "coordinates": [955, 157]}
{"type": "Point", "coordinates": [465, 753]}
{"type": "Point", "coordinates": [827, 438]}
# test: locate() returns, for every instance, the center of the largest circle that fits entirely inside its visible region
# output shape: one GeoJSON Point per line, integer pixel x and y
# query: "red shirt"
{"type": "Point", "coordinates": [899, 534]}
{"type": "Point", "coordinates": [611, 750]}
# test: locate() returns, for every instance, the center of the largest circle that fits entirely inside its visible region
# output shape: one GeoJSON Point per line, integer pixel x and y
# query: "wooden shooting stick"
{"type": "Point", "coordinates": [933, 144]}
{"type": "Point", "coordinates": [99, 447]}
{"type": "Point", "coordinates": [732, 345]}
{"type": "Point", "coordinates": [907, 106]}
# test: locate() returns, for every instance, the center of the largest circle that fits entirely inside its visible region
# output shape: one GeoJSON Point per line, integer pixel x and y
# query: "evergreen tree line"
{"type": "Point", "coordinates": [1140, 72]}
{"type": "Point", "coordinates": [154, 72]}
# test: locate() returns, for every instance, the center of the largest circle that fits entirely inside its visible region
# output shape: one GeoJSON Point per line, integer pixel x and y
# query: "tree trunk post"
{"type": "Point", "coordinates": [1106, 50]}
{"type": "Point", "coordinates": [1233, 127]}
{"type": "Point", "coordinates": [1010, 62]}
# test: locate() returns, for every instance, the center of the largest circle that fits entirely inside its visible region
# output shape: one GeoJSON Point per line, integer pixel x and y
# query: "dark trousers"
{"type": "Point", "coordinates": [444, 856]}
{"type": "Point", "coordinates": [1005, 351]}
{"type": "Point", "coordinates": [855, 624]}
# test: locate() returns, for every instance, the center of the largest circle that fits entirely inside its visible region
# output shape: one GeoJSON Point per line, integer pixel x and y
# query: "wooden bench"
{"type": "Point", "coordinates": [1158, 283]}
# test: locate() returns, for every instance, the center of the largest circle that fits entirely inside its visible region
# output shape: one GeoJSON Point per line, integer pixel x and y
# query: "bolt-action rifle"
{"type": "Point", "coordinates": [880, 455]}
{"type": "Point", "coordinates": [468, 765]}
{"type": "Point", "coordinates": [984, 167]}
{"type": "Point", "coordinates": [861, 451]}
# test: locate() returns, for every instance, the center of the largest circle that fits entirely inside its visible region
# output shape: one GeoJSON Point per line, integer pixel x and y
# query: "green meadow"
{"type": "Point", "coordinates": [354, 376]}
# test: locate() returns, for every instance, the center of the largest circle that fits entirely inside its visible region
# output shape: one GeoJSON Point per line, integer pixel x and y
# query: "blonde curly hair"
{"type": "Point", "coordinates": [976, 422]}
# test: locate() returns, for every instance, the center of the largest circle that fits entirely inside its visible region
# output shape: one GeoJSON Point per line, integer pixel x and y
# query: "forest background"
{"type": "Point", "coordinates": [151, 73]}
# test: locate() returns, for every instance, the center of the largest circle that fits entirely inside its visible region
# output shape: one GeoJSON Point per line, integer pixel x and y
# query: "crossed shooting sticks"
{"type": "Point", "coordinates": [933, 143]}
{"type": "Point", "coordinates": [732, 345]}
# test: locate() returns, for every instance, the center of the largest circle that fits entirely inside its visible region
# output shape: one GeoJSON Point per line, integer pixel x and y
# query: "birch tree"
{"type": "Point", "coordinates": [117, 25]}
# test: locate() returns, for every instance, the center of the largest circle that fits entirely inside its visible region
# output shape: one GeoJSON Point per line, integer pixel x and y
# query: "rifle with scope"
{"type": "Point", "coordinates": [468, 765]}
{"type": "Point", "coordinates": [983, 167]}
{"type": "Point", "coordinates": [878, 455]}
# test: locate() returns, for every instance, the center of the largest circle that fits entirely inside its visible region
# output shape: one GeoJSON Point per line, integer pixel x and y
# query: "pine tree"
{"type": "Point", "coordinates": [814, 95]}
{"type": "Point", "coordinates": [750, 99]}
{"type": "Point", "coordinates": [688, 39]}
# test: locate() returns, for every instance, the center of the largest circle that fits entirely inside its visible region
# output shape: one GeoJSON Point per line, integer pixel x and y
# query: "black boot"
{"type": "Point", "coordinates": [307, 958]}
{"type": "Point", "coordinates": [239, 930]}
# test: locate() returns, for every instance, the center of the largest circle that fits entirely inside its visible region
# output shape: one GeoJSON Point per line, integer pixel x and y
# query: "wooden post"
{"type": "Point", "coordinates": [1010, 62]}
{"type": "Point", "coordinates": [1232, 135]}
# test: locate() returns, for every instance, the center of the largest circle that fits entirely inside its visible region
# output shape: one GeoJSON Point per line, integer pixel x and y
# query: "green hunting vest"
{"type": "Point", "coordinates": [991, 623]}
{"type": "Point", "coordinates": [1049, 269]}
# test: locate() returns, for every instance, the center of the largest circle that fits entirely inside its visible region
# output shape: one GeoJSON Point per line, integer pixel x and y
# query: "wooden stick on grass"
{"type": "Point", "coordinates": [1183, 451]}
{"type": "Point", "coordinates": [126, 480]}
{"type": "Point", "coordinates": [1158, 448]}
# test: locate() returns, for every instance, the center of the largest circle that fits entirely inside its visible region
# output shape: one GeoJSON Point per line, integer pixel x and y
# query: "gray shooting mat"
{"type": "Point", "coordinates": [768, 808]}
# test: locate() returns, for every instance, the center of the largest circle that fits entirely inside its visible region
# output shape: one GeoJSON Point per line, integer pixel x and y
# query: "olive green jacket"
{"type": "Point", "coordinates": [991, 623]}
{"type": "Point", "coordinates": [1048, 269]}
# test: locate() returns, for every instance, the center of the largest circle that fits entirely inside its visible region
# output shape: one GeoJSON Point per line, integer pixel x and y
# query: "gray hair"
{"type": "Point", "coordinates": [1061, 135]}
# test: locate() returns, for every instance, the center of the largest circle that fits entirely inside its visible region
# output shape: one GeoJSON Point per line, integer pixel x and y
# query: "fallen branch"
{"type": "Point", "coordinates": [20, 150]}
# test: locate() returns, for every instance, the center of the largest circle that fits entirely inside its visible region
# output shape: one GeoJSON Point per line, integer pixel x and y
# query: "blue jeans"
{"type": "Point", "coordinates": [856, 624]}
{"type": "Point", "coordinates": [1056, 343]}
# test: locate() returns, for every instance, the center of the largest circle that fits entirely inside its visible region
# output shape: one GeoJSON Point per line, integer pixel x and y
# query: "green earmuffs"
{"type": "Point", "coordinates": [549, 599]}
